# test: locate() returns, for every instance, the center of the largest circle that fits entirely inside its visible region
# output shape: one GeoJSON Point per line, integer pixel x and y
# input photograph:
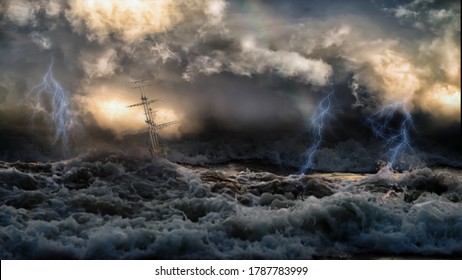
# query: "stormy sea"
{"type": "Point", "coordinates": [112, 206]}
{"type": "Point", "coordinates": [285, 130]}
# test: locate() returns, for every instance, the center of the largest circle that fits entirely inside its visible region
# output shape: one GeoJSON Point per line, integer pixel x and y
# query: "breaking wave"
{"type": "Point", "coordinates": [114, 207]}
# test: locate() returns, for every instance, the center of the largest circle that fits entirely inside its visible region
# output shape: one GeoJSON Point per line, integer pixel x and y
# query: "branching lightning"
{"type": "Point", "coordinates": [316, 126]}
{"type": "Point", "coordinates": [53, 99]}
{"type": "Point", "coordinates": [397, 139]}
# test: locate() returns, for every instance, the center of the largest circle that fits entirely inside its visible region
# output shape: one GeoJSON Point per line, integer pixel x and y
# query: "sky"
{"type": "Point", "coordinates": [226, 69]}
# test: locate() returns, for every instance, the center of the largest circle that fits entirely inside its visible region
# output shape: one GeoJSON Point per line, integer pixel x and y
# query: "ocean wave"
{"type": "Point", "coordinates": [116, 207]}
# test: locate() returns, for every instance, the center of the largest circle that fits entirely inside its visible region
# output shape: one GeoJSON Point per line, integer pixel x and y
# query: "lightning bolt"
{"type": "Point", "coordinates": [397, 139]}
{"type": "Point", "coordinates": [316, 125]}
{"type": "Point", "coordinates": [53, 99]}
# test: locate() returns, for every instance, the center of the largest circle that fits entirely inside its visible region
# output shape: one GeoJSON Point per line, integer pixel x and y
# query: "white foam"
{"type": "Point", "coordinates": [139, 209]}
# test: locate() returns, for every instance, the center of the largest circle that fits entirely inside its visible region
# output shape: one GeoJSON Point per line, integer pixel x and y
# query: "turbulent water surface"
{"type": "Point", "coordinates": [112, 207]}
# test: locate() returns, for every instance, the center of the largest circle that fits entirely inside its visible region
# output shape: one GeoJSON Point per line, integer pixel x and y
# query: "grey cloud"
{"type": "Point", "coordinates": [234, 67]}
{"type": "Point", "coordinates": [3, 94]}
{"type": "Point", "coordinates": [43, 42]}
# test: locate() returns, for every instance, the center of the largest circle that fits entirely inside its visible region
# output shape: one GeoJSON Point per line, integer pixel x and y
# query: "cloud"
{"type": "Point", "coordinates": [3, 94]}
{"type": "Point", "coordinates": [43, 42]}
{"type": "Point", "coordinates": [394, 76]}
{"type": "Point", "coordinates": [130, 20]}
{"type": "Point", "coordinates": [437, 57]}
{"type": "Point", "coordinates": [53, 8]}
{"type": "Point", "coordinates": [108, 106]}
{"type": "Point", "coordinates": [134, 20]}
{"type": "Point", "coordinates": [243, 66]}
{"type": "Point", "coordinates": [97, 65]}
{"type": "Point", "coordinates": [442, 100]}
{"type": "Point", "coordinates": [287, 64]}
{"type": "Point", "coordinates": [162, 53]}
{"type": "Point", "coordinates": [27, 12]}
{"type": "Point", "coordinates": [21, 12]}
{"type": "Point", "coordinates": [257, 60]}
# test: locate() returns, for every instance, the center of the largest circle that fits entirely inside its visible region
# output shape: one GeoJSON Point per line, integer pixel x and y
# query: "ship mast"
{"type": "Point", "coordinates": [152, 127]}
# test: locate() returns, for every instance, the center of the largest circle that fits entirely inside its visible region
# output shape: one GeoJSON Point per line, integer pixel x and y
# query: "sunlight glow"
{"type": "Point", "coordinates": [215, 8]}
{"type": "Point", "coordinates": [248, 43]}
{"type": "Point", "coordinates": [114, 109]}
{"type": "Point", "coordinates": [447, 95]}
{"type": "Point", "coordinates": [114, 114]}
{"type": "Point", "coordinates": [443, 101]}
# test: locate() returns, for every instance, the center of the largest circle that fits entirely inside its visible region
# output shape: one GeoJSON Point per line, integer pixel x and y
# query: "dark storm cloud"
{"type": "Point", "coordinates": [3, 94]}
{"type": "Point", "coordinates": [235, 68]}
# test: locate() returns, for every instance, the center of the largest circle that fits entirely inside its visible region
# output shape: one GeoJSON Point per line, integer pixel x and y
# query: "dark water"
{"type": "Point", "coordinates": [113, 207]}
